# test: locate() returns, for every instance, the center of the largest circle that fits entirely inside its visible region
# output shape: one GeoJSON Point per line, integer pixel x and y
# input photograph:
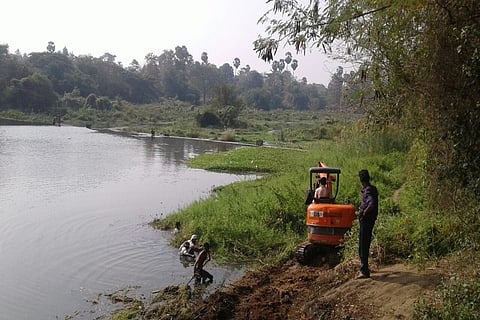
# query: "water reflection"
{"type": "Point", "coordinates": [177, 151]}
{"type": "Point", "coordinates": [74, 208]}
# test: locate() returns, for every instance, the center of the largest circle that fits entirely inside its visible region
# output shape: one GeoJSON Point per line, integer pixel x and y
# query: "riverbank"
{"type": "Point", "coordinates": [265, 218]}
{"type": "Point", "coordinates": [289, 290]}
{"type": "Point", "coordinates": [261, 222]}
{"type": "Point", "coordinates": [125, 132]}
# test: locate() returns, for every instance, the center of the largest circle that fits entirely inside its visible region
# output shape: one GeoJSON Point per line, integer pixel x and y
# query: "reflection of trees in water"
{"type": "Point", "coordinates": [175, 151]}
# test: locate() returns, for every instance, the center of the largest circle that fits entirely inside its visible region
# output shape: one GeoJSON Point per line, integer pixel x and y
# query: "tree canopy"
{"type": "Point", "coordinates": [418, 65]}
{"type": "Point", "coordinates": [70, 81]}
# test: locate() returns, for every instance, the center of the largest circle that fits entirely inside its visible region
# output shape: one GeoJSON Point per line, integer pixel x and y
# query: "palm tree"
{"type": "Point", "coordinates": [275, 65]}
{"type": "Point", "coordinates": [51, 47]}
{"type": "Point", "coordinates": [204, 58]}
{"type": "Point", "coordinates": [236, 64]}
{"type": "Point", "coordinates": [281, 65]}
{"type": "Point", "coordinates": [288, 58]}
{"type": "Point", "coordinates": [294, 65]}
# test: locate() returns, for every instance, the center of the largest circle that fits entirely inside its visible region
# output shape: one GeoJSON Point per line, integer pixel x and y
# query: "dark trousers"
{"type": "Point", "coordinates": [364, 240]}
{"type": "Point", "coordinates": [202, 276]}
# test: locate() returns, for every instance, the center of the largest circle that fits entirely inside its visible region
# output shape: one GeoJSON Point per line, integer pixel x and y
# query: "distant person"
{"type": "Point", "coordinates": [367, 215]}
{"type": "Point", "coordinates": [200, 274]}
{"type": "Point", "coordinates": [152, 132]}
{"type": "Point", "coordinates": [189, 247]}
{"type": "Point", "coordinates": [177, 227]}
{"type": "Point", "coordinates": [322, 190]}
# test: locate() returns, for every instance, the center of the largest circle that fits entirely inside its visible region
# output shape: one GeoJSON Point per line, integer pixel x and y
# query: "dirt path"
{"type": "Point", "coordinates": [293, 291]}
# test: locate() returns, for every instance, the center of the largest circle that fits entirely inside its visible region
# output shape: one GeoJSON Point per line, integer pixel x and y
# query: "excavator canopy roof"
{"type": "Point", "coordinates": [325, 170]}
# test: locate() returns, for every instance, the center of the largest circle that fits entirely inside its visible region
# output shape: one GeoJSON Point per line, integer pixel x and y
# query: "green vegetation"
{"type": "Point", "coordinates": [13, 117]}
{"type": "Point", "coordinates": [263, 220]}
{"type": "Point", "coordinates": [417, 83]}
{"type": "Point", "coordinates": [58, 82]}
{"type": "Point", "coordinates": [419, 68]}
{"type": "Point", "coordinates": [459, 297]}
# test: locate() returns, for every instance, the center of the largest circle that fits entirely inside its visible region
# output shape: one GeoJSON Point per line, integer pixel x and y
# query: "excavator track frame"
{"type": "Point", "coordinates": [316, 254]}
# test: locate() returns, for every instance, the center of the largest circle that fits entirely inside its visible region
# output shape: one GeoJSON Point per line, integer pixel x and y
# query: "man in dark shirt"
{"type": "Point", "coordinates": [368, 213]}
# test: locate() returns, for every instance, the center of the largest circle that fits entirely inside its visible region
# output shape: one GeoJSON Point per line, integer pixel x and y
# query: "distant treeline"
{"type": "Point", "coordinates": [55, 81]}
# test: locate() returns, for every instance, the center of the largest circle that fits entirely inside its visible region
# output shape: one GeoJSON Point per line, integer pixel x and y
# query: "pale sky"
{"type": "Point", "coordinates": [225, 29]}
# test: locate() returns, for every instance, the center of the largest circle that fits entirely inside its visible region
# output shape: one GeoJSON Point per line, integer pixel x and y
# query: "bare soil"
{"type": "Point", "coordinates": [294, 291]}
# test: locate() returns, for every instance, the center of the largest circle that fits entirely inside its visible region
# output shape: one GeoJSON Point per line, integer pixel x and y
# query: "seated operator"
{"type": "Point", "coordinates": [322, 191]}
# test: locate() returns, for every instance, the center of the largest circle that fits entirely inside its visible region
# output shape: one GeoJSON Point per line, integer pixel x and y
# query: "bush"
{"type": "Point", "coordinates": [460, 300]}
{"type": "Point", "coordinates": [208, 119]}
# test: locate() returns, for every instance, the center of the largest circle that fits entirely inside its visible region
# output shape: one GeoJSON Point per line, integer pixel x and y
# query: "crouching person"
{"type": "Point", "coordinates": [189, 247]}
{"type": "Point", "coordinates": [200, 274]}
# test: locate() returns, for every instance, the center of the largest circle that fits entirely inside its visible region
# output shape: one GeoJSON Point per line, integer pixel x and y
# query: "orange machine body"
{"type": "Point", "coordinates": [327, 223]}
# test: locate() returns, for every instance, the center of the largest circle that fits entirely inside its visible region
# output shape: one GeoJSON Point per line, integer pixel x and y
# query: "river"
{"type": "Point", "coordinates": [74, 211]}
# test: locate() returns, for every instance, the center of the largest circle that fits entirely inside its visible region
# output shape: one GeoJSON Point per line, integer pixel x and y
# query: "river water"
{"type": "Point", "coordinates": [74, 211]}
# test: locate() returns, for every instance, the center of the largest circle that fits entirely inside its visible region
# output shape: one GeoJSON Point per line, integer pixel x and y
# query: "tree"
{"type": "Point", "coordinates": [236, 63]}
{"type": "Point", "coordinates": [294, 65]}
{"type": "Point", "coordinates": [246, 69]}
{"type": "Point", "coordinates": [288, 58]}
{"type": "Point", "coordinates": [58, 67]}
{"type": "Point", "coordinates": [250, 80]}
{"type": "Point", "coordinates": [257, 98]}
{"type": "Point", "coordinates": [419, 66]}
{"type": "Point", "coordinates": [108, 57]}
{"type": "Point", "coordinates": [335, 89]}
{"type": "Point", "coordinates": [204, 78]}
{"type": "Point", "coordinates": [226, 73]}
{"type": "Point", "coordinates": [204, 58]}
{"type": "Point", "coordinates": [51, 47]}
{"type": "Point", "coordinates": [134, 66]}
{"type": "Point", "coordinates": [32, 94]}
{"type": "Point", "coordinates": [91, 101]}
{"type": "Point", "coordinates": [3, 50]}
{"type": "Point", "coordinates": [208, 118]}
{"type": "Point", "coordinates": [275, 66]}
{"type": "Point", "coordinates": [281, 65]}
{"type": "Point", "coordinates": [226, 95]}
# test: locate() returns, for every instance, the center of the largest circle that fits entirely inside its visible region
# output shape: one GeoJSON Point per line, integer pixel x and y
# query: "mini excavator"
{"type": "Point", "coordinates": [327, 221]}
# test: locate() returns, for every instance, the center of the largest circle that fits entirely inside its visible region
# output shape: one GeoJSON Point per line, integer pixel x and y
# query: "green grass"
{"type": "Point", "coordinates": [264, 219]}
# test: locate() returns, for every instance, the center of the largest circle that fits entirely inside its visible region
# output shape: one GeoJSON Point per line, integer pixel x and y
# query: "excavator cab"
{"type": "Point", "coordinates": [332, 176]}
{"type": "Point", "coordinates": [327, 221]}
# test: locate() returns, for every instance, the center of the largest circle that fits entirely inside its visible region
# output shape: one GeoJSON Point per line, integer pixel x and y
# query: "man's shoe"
{"type": "Point", "coordinates": [361, 275]}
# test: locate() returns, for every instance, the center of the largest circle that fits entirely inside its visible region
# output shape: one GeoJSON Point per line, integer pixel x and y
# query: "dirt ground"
{"type": "Point", "coordinates": [294, 291]}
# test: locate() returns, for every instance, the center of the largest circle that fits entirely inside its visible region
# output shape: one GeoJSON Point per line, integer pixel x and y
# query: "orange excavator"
{"type": "Point", "coordinates": [327, 221]}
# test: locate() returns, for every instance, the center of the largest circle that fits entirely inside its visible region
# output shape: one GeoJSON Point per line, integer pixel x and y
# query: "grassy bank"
{"type": "Point", "coordinates": [263, 220]}
{"type": "Point", "coordinates": [16, 118]}
{"type": "Point", "coordinates": [277, 127]}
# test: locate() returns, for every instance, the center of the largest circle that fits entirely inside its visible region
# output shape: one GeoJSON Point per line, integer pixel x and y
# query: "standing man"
{"type": "Point", "coordinates": [200, 274]}
{"type": "Point", "coordinates": [368, 213]}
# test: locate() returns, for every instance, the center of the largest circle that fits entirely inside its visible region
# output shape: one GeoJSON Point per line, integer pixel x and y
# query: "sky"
{"type": "Point", "coordinates": [224, 29]}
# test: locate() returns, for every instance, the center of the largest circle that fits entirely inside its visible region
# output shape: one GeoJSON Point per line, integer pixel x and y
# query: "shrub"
{"type": "Point", "coordinates": [460, 300]}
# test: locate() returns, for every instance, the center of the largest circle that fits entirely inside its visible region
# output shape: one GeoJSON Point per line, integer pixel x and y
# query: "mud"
{"type": "Point", "coordinates": [294, 291]}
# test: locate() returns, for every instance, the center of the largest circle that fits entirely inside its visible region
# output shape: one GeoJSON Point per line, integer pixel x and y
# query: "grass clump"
{"type": "Point", "coordinates": [459, 295]}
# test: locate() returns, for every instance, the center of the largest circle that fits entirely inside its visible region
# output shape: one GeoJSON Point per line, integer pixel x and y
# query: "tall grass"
{"type": "Point", "coordinates": [264, 219]}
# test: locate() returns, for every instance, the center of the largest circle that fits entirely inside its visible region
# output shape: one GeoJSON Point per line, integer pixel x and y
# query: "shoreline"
{"type": "Point", "coordinates": [121, 131]}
